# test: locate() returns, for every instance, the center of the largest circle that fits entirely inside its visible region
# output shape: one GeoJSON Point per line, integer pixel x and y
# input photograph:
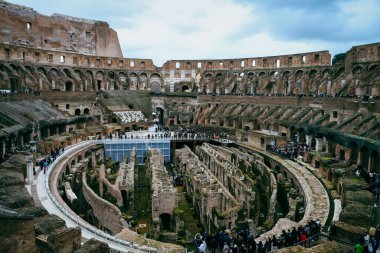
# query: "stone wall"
{"type": "Point", "coordinates": [164, 195]}
{"type": "Point", "coordinates": [24, 26]}
{"type": "Point", "coordinates": [217, 207]}
{"type": "Point", "coordinates": [109, 216]}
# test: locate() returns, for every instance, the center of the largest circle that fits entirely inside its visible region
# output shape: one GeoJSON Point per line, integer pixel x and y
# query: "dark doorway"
{"type": "Point", "coordinates": [160, 113]}
{"type": "Point", "coordinates": [77, 112]}
{"type": "Point", "coordinates": [69, 86]}
{"type": "Point", "coordinates": [165, 222]}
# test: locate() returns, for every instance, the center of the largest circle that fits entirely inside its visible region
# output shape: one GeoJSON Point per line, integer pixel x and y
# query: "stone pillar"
{"type": "Point", "coordinates": [93, 158]}
{"type": "Point", "coordinates": [29, 170]}
{"type": "Point", "coordinates": [370, 163]}
{"type": "Point", "coordinates": [40, 82]}
{"type": "Point", "coordinates": [360, 157]}
{"type": "Point", "coordinates": [4, 148]}
{"type": "Point", "coordinates": [326, 143]}
{"type": "Point", "coordinates": [308, 139]}
{"type": "Point", "coordinates": [319, 144]}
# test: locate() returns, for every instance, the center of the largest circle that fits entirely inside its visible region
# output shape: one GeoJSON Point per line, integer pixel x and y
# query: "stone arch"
{"type": "Point", "coordinates": [29, 68]}
{"type": "Point", "coordinates": [326, 73]}
{"type": "Point", "coordinates": [340, 71]}
{"type": "Point", "coordinates": [313, 73]}
{"type": "Point", "coordinates": [299, 73]}
{"type": "Point", "coordinates": [42, 70]}
{"type": "Point", "coordinates": [133, 77]}
{"type": "Point", "coordinates": [143, 83]}
{"type": "Point", "coordinates": [123, 78]}
{"type": "Point", "coordinates": [86, 111]}
{"type": "Point", "coordinates": [262, 74]}
{"type": "Point", "coordinates": [54, 72]}
{"type": "Point", "coordinates": [90, 78]}
{"type": "Point", "coordinates": [99, 78]}
{"type": "Point", "coordinates": [185, 88]}
{"type": "Point", "coordinates": [357, 69]}
{"type": "Point", "coordinates": [155, 82]}
{"type": "Point", "coordinates": [77, 112]}
{"type": "Point", "coordinates": [67, 72]}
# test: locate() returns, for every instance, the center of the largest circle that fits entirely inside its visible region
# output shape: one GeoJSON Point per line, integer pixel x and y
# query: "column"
{"type": "Point", "coordinates": [3, 147]}
{"type": "Point", "coordinates": [29, 170]}
{"type": "Point", "coordinates": [308, 139]}
{"type": "Point", "coordinates": [370, 158]}
{"type": "Point", "coordinates": [93, 158]}
{"type": "Point", "coordinates": [326, 143]}
{"type": "Point", "coordinates": [318, 144]}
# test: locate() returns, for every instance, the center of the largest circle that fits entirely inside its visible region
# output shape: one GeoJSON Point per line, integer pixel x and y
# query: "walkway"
{"type": "Point", "coordinates": [317, 204]}
{"type": "Point", "coordinates": [47, 202]}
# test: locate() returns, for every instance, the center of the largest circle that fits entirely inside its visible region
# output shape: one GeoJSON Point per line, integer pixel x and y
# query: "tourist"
{"type": "Point", "coordinates": [213, 245]}
{"type": "Point", "coordinates": [202, 247]}
{"type": "Point", "coordinates": [226, 248]}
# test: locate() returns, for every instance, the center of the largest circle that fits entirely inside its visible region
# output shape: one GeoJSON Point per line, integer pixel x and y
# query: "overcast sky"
{"type": "Point", "coordinates": [202, 29]}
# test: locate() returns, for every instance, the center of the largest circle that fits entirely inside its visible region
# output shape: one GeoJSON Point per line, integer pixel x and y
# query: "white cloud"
{"type": "Point", "coordinates": [172, 29]}
{"type": "Point", "coordinates": [215, 29]}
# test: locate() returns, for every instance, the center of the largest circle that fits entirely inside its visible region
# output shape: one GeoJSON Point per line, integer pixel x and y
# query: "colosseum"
{"type": "Point", "coordinates": [101, 153]}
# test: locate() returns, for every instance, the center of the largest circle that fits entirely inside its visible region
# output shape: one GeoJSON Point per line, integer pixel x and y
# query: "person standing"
{"type": "Point", "coordinates": [359, 248]}
{"type": "Point", "coordinates": [202, 247]}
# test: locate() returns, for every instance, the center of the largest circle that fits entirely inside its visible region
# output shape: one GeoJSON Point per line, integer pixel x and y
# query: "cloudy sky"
{"type": "Point", "coordinates": [202, 29]}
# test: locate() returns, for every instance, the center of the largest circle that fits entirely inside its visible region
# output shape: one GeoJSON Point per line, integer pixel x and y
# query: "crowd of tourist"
{"type": "Point", "coordinates": [289, 151]}
{"type": "Point", "coordinates": [187, 133]}
{"type": "Point", "coordinates": [244, 242]}
{"type": "Point", "coordinates": [369, 242]}
{"type": "Point", "coordinates": [45, 163]}
{"type": "Point", "coordinates": [130, 116]}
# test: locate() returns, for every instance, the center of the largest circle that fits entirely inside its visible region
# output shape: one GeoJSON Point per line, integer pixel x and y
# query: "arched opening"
{"type": "Point", "coordinates": [165, 222]}
{"type": "Point", "coordinates": [67, 172]}
{"type": "Point", "coordinates": [86, 111]}
{"type": "Point", "coordinates": [68, 86]}
{"type": "Point", "coordinates": [77, 111]}
{"type": "Point", "coordinates": [354, 153]}
{"type": "Point", "coordinates": [67, 73]}
{"type": "Point", "coordinates": [185, 88]}
{"type": "Point", "coordinates": [114, 120]}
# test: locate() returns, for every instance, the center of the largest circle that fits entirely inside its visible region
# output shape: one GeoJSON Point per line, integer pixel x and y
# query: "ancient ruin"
{"type": "Point", "coordinates": [100, 152]}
